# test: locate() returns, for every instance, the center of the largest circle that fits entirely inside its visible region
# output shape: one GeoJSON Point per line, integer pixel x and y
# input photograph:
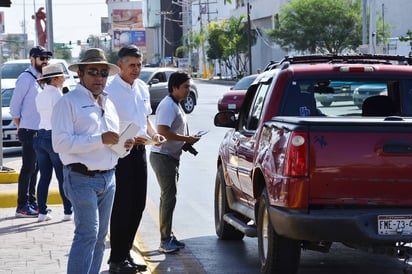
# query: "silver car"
{"type": "Point", "coordinates": [157, 80]}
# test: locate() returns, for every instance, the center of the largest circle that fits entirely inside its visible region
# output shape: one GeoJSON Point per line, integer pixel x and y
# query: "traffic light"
{"type": "Point", "coordinates": [5, 4]}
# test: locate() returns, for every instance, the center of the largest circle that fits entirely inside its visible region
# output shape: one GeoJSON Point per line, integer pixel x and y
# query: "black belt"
{"type": "Point", "coordinates": [82, 169]}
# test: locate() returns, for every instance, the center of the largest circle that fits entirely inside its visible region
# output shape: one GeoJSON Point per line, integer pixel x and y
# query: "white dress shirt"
{"type": "Point", "coordinates": [77, 126]}
{"type": "Point", "coordinates": [132, 102]}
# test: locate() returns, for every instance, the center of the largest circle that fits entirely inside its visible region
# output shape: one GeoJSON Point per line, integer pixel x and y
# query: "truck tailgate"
{"type": "Point", "coordinates": [368, 165]}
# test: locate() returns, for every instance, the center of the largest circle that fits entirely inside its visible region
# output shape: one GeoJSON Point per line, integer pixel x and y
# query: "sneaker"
{"type": "Point", "coordinates": [177, 243]}
{"type": "Point", "coordinates": [67, 217]}
{"type": "Point", "coordinates": [26, 211]}
{"type": "Point", "coordinates": [44, 217]}
{"type": "Point", "coordinates": [35, 206]}
{"type": "Point", "coordinates": [168, 247]}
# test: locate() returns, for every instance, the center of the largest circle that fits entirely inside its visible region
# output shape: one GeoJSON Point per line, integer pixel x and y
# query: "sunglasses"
{"type": "Point", "coordinates": [43, 58]}
{"type": "Point", "coordinates": [96, 72]}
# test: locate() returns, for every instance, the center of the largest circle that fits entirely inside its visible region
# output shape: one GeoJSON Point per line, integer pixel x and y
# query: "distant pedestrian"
{"type": "Point", "coordinates": [85, 124]}
{"type": "Point", "coordinates": [25, 116]}
{"type": "Point", "coordinates": [131, 97]}
{"type": "Point", "coordinates": [165, 159]}
{"type": "Point", "coordinates": [47, 159]}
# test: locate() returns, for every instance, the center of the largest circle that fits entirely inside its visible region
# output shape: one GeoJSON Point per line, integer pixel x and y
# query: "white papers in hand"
{"type": "Point", "coordinates": [128, 130]}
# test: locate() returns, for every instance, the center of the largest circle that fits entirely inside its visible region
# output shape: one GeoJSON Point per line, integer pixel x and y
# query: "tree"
{"type": "Point", "coordinates": [216, 42]}
{"type": "Point", "coordinates": [227, 42]}
{"type": "Point", "coordinates": [319, 26]}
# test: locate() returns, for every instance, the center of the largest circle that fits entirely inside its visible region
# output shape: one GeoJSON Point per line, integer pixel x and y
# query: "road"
{"type": "Point", "coordinates": [194, 216]}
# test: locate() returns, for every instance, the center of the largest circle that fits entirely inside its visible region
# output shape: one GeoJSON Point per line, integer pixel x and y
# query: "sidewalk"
{"type": "Point", "coordinates": [28, 246]}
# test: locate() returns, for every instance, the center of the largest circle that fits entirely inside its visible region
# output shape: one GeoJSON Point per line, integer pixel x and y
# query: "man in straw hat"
{"type": "Point", "coordinates": [25, 116]}
{"type": "Point", "coordinates": [47, 159]}
{"type": "Point", "coordinates": [84, 126]}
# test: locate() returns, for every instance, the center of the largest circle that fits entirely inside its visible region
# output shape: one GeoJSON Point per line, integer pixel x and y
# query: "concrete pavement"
{"type": "Point", "coordinates": [28, 246]}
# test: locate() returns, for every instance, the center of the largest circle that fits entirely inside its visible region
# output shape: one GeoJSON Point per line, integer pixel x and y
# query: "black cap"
{"type": "Point", "coordinates": [39, 51]}
{"type": "Point", "coordinates": [131, 50]}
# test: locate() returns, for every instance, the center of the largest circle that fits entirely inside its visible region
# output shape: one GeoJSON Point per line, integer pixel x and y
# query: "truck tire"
{"type": "Point", "coordinates": [277, 254]}
{"type": "Point", "coordinates": [223, 230]}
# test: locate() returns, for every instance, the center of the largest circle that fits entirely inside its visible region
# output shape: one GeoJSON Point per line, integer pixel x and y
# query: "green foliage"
{"type": "Point", "coordinates": [228, 43]}
{"type": "Point", "coordinates": [407, 38]}
{"type": "Point", "coordinates": [319, 26]}
{"type": "Point", "coordinates": [65, 54]}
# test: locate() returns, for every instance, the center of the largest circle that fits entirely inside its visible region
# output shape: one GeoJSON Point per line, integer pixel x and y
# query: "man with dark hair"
{"type": "Point", "coordinates": [131, 97]}
{"type": "Point", "coordinates": [27, 119]}
{"type": "Point", "coordinates": [165, 159]}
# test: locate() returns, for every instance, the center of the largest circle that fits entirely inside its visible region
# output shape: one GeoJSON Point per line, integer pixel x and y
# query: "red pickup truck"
{"type": "Point", "coordinates": [297, 174]}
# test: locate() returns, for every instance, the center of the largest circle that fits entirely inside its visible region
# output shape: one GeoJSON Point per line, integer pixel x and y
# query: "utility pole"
{"type": "Point", "coordinates": [49, 27]}
{"type": "Point", "coordinates": [164, 14]}
{"type": "Point", "coordinates": [249, 38]}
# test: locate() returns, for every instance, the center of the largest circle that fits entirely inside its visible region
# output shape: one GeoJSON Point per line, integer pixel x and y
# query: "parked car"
{"type": "Point", "coordinates": [364, 91]}
{"type": "Point", "coordinates": [232, 100]}
{"type": "Point", "coordinates": [342, 91]}
{"type": "Point", "coordinates": [157, 80]}
{"type": "Point", "coordinates": [9, 128]}
{"type": "Point", "coordinates": [10, 70]}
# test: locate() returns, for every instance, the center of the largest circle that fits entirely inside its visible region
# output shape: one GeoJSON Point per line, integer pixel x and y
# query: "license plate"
{"type": "Point", "coordinates": [231, 106]}
{"type": "Point", "coordinates": [394, 224]}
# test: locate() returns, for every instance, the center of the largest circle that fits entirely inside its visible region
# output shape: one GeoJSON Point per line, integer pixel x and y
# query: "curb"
{"type": "Point", "coordinates": [8, 198]}
{"type": "Point", "coordinates": [8, 176]}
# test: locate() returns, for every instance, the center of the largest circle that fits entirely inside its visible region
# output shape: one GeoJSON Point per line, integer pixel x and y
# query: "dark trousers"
{"type": "Point", "coordinates": [28, 173]}
{"type": "Point", "coordinates": [129, 202]}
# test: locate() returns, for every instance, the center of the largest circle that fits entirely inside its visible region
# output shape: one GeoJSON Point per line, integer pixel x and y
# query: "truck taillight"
{"type": "Point", "coordinates": [297, 156]}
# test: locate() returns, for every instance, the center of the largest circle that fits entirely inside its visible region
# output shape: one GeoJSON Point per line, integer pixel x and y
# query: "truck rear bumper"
{"type": "Point", "coordinates": [345, 225]}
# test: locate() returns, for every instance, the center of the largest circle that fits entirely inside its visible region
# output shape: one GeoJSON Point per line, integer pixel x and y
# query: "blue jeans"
{"type": "Point", "coordinates": [92, 200]}
{"type": "Point", "coordinates": [166, 169]}
{"type": "Point", "coordinates": [28, 173]}
{"type": "Point", "coordinates": [47, 159]}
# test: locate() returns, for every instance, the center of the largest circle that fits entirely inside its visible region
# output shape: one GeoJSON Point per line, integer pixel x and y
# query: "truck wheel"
{"type": "Point", "coordinates": [223, 230]}
{"type": "Point", "coordinates": [277, 254]}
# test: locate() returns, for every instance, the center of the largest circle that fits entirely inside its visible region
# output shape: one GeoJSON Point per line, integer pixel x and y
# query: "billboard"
{"type": "Point", "coordinates": [127, 19]}
{"type": "Point", "coordinates": [123, 38]}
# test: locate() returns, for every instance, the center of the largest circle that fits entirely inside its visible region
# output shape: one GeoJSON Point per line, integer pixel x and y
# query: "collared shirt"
{"type": "Point", "coordinates": [170, 114]}
{"type": "Point", "coordinates": [45, 102]}
{"type": "Point", "coordinates": [132, 102]}
{"type": "Point", "coordinates": [77, 126]}
{"type": "Point", "coordinates": [22, 104]}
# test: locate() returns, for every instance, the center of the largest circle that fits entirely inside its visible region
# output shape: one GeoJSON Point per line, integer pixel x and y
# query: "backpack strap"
{"type": "Point", "coordinates": [31, 73]}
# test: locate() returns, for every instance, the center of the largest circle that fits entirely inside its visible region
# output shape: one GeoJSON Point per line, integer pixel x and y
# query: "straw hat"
{"type": "Point", "coordinates": [94, 56]}
{"type": "Point", "coordinates": [50, 71]}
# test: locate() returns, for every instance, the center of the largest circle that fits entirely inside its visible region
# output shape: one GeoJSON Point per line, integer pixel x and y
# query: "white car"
{"type": "Point", "coordinates": [9, 72]}
{"type": "Point", "coordinates": [9, 128]}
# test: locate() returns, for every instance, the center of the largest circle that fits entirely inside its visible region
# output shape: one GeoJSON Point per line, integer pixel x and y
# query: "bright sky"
{"type": "Point", "coordinates": [72, 19]}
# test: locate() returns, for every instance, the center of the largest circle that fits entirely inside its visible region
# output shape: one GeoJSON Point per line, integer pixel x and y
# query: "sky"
{"type": "Point", "coordinates": [72, 19]}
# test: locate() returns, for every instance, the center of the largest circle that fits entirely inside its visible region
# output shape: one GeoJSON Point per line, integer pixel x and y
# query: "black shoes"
{"type": "Point", "coordinates": [126, 267]}
{"type": "Point", "coordinates": [138, 267]}
{"type": "Point", "coordinates": [122, 268]}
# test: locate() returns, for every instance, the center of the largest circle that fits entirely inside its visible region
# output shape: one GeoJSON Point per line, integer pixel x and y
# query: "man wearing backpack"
{"type": "Point", "coordinates": [25, 116]}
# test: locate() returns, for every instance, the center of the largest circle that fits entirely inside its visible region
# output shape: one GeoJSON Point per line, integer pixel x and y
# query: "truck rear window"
{"type": "Point", "coordinates": [337, 97]}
